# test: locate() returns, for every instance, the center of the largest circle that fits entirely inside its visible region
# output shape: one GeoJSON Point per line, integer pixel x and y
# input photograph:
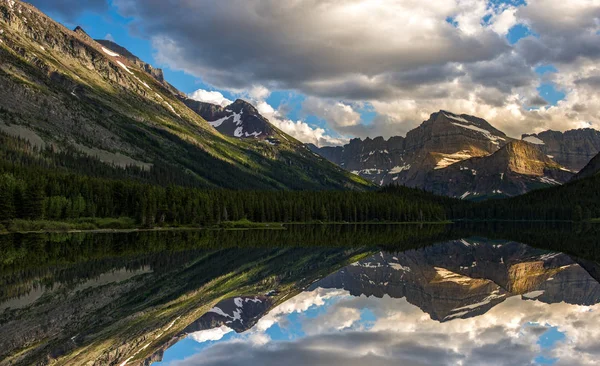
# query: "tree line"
{"type": "Point", "coordinates": [44, 184]}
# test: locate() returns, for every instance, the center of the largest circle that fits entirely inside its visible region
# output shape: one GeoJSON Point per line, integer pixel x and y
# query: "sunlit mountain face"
{"type": "Point", "coordinates": [461, 302]}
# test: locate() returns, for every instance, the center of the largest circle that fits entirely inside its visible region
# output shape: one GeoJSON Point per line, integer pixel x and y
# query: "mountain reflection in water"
{"type": "Point", "coordinates": [462, 302]}
{"type": "Point", "coordinates": [309, 295]}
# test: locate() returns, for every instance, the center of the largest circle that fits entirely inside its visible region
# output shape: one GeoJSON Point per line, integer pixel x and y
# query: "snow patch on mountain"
{"type": "Point", "coordinates": [533, 294]}
{"type": "Point", "coordinates": [218, 122]}
{"type": "Point", "coordinates": [534, 140]}
{"type": "Point", "coordinates": [486, 133]}
{"type": "Point", "coordinates": [449, 159]}
{"type": "Point", "coordinates": [124, 67]}
{"type": "Point", "coordinates": [109, 52]}
{"type": "Point", "coordinates": [549, 181]}
{"type": "Point", "coordinates": [456, 118]}
{"type": "Point", "coordinates": [399, 267]}
{"type": "Point", "coordinates": [397, 169]}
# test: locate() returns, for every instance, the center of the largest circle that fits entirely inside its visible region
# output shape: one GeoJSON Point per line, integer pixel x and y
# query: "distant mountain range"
{"type": "Point", "coordinates": [465, 156]}
{"type": "Point", "coordinates": [466, 278]}
{"type": "Point", "coordinates": [61, 89]}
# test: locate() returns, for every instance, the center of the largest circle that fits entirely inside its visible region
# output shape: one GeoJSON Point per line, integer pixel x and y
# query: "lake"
{"type": "Point", "coordinates": [469, 294]}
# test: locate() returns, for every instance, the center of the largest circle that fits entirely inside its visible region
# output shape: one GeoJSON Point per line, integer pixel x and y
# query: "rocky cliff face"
{"type": "Point", "coordinates": [591, 169]}
{"type": "Point", "coordinates": [445, 138]}
{"type": "Point", "coordinates": [466, 278]}
{"type": "Point", "coordinates": [573, 149]}
{"type": "Point", "coordinates": [465, 156]}
{"type": "Point", "coordinates": [517, 168]}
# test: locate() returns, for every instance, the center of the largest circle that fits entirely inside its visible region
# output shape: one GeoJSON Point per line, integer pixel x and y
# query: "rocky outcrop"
{"type": "Point", "coordinates": [572, 149]}
{"type": "Point", "coordinates": [465, 156]}
{"type": "Point", "coordinates": [515, 169]}
{"type": "Point", "coordinates": [466, 278]}
{"type": "Point", "coordinates": [591, 169]}
{"type": "Point", "coordinates": [155, 72]}
{"type": "Point", "coordinates": [445, 138]}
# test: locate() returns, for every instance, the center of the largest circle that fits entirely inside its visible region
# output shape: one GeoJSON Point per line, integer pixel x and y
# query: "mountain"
{"type": "Point", "coordinates": [465, 156]}
{"type": "Point", "coordinates": [69, 94]}
{"type": "Point", "coordinates": [573, 149]}
{"type": "Point", "coordinates": [466, 278]}
{"type": "Point", "coordinates": [517, 168]}
{"type": "Point", "coordinates": [445, 138]}
{"type": "Point", "coordinates": [591, 169]}
{"type": "Point", "coordinates": [239, 119]}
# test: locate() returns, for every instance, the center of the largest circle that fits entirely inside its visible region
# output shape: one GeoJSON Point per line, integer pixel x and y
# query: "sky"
{"type": "Point", "coordinates": [332, 327]}
{"type": "Point", "coordinates": [326, 71]}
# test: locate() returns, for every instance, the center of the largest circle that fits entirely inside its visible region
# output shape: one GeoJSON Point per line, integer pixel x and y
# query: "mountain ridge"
{"type": "Point", "coordinates": [590, 170]}
{"type": "Point", "coordinates": [425, 157]}
{"type": "Point", "coordinates": [61, 87]}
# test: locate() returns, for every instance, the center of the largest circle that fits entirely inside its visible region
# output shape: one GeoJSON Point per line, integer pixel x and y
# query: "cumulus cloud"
{"type": "Point", "coordinates": [213, 97]}
{"type": "Point", "coordinates": [401, 333]}
{"type": "Point", "coordinates": [213, 334]}
{"type": "Point", "coordinates": [310, 44]}
{"type": "Point", "coordinates": [427, 55]}
{"type": "Point", "coordinates": [300, 130]}
{"type": "Point", "coordinates": [341, 117]}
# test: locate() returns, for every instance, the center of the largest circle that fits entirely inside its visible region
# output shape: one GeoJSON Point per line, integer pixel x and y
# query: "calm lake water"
{"type": "Point", "coordinates": [307, 295]}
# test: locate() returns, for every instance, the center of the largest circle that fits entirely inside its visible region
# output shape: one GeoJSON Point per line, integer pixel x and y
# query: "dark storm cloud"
{"type": "Point", "coordinates": [593, 81]}
{"type": "Point", "coordinates": [317, 47]}
{"type": "Point", "coordinates": [348, 349]}
{"type": "Point", "coordinates": [504, 73]}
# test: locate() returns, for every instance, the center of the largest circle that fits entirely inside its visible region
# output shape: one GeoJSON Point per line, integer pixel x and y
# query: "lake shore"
{"type": "Point", "coordinates": [42, 226]}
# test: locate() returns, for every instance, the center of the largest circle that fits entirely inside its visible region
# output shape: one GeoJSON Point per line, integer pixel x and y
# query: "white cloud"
{"type": "Point", "coordinates": [259, 92]}
{"type": "Point", "coordinates": [213, 334]}
{"type": "Point", "coordinates": [337, 114]}
{"type": "Point", "coordinates": [507, 334]}
{"type": "Point", "coordinates": [213, 97]}
{"type": "Point", "coordinates": [387, 53]}
{"type": "Point", "coordinates": [297, 129]}
{"type": "Point", "coordinates": [505, 20]}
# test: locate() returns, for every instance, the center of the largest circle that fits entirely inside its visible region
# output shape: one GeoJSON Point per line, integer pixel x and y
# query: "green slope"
{"type": "Point", "coordinates": [60, 88]}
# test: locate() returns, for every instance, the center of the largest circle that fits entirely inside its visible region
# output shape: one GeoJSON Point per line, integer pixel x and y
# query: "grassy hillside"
{"type": "Point", "coordinates": [61, 89]}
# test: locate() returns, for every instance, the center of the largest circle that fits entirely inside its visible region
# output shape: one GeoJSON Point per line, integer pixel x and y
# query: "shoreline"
{"type": "Point", "coordinates": [224, 226]}
{"type": "Point", "coordinates": [229, 226]}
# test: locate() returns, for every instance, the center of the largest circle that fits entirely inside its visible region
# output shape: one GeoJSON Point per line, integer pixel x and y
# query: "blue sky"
{"type": "Point", "coordinates": [364, 89]}
{"type": "Point", "coordinates": [375, 318]}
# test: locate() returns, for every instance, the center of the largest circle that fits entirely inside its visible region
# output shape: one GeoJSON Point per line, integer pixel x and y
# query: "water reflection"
{"type": "Point", "coordinates": [380, 290]}
{"type": "Point", "coordinates": [469, 301]}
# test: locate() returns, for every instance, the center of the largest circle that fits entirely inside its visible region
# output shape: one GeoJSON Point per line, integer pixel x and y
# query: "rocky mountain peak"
{"type": "Point", "coordinates": [242, 105]}
{"type": "Point", "coordinates": [115, 48]}
{"type": "Point", "coordinates": [238, 119]}
{"type": "Point", "coordinates": [78, 30]}
{"type": "Point", "coordinates": [572, 149]}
